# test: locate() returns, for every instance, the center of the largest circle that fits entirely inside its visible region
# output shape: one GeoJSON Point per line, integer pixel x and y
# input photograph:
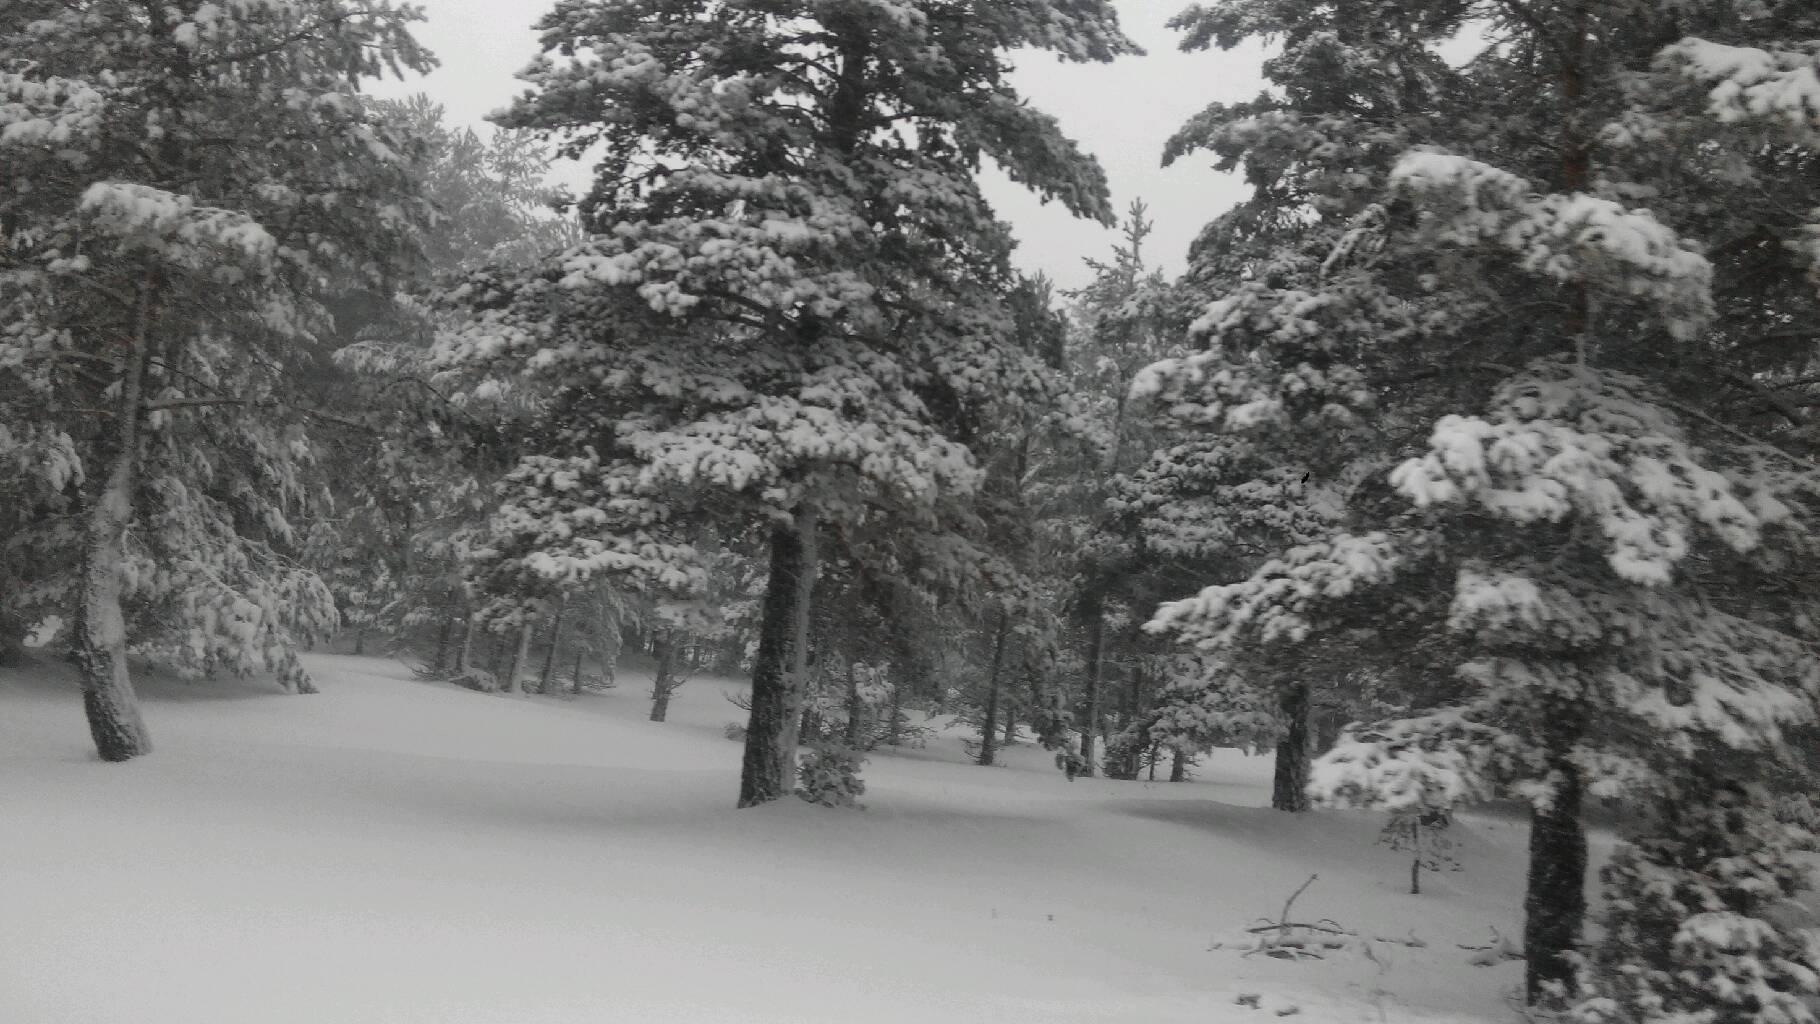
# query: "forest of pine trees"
{"type": "Point", "coordinates": [1472, 456]}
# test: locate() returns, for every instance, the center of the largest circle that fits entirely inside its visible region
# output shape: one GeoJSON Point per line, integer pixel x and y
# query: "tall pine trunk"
{"type": "Point", "coordinates": [1289, 790]}
{"type": "Point", "coordinates": [1096, 646]}
{"type": "Point", "coordinates": [518, 658]}
{"type": "Point", "coordinates": [549, 658]}
{"type": "Point", "coordinates": [1178, 768]}
{"type": "Point", "coordinates": [771, 725]}
{"type": "Point", "coordinates": [114, 718]}
{"type": "Point", "coordinates": [989, 731]}
{"type": "Point", "coordinates": [1554, 902]}
{"type": "Point", "coordinates": [664, 683]}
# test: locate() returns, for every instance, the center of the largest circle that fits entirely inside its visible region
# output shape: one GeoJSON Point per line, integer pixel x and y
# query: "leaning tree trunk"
{"type": "Point", "coordinates": [1290, 789]}
{"type": "Point", "coordinates": [1096, 646]}
{"type": "Point", "coordinates": [665, 682]}
{"type": "Point", "coordinates": [989, 731]}
{"type": "Point", "coordinates": [1554, 904]}
{"type": "Point", "coordinates": [114, 719]}
{"type": "Point", "coordinates": [770, 728]}
{"type": "Point", "coordinates": [549, 659]}
{"type": "Point", "coordinates": [518, 658]}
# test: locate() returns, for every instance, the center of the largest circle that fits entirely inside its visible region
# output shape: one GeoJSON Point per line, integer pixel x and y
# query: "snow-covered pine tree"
{"type": "Point", "coordinates": [1600, 536]}
{"type": "Point", "coordinates": [183, 179]}
{"type": "Point", "coordinates": [410, 477]}
{"type": "Point", "coordinates": [792, 300]}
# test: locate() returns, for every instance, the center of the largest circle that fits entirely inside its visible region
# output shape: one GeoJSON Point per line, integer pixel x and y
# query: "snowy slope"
{"type": "Point", "coordinates": [400, 851]}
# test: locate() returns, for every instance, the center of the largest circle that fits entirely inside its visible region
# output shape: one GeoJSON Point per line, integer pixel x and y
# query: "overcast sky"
{"type": "Point", "coordinates": [1122, 113]}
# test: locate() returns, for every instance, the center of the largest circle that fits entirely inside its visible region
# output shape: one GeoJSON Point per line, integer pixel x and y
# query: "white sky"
{"type": "Point", "coordinates": [1122, 113]}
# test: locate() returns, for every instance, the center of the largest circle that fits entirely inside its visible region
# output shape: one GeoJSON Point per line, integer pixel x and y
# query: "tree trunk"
{"type": "Point", "coordinates": [445, 639]}
{"type": "Point", "coordinates": [464, 658]}
{"type": "Point", "coordinates": [1554, 904]}
{"type": "Point", "coordinates": [114, 719]}
{"type": "Point", "coordinates": [894, 729]}
{"type": "Point", "coordinates": [1096, 645]}
{"type": "Point", "coordinates": [1415, 856]}
{"type": "Point", "coordinates": [1290, 789]}
{"type": "Point", "coordinates": [664, 683]}
{"type": "Point", "coordinates": [360, 641]}
{"type": "Point", "coordinates": [989, 731]}
{"type": "Point", "coordinates": [771, 725]}
{"type": "Point", "coordinates": [575, 680]}
{"type": "Point", "coordinates": [1010, 726]}
{"type": "Point", "coordinates": [1178, 769]}
{"type": "Point", "coordinates": [549, 659]}
{"type": "Point", "coordinates": [496, 656]}
{"type": "Point", "coordinates": [518, 658]}
{"type": "Point", "coordinates": [856, 710]}
{"type": "Point", "coordinates": [796, 697]}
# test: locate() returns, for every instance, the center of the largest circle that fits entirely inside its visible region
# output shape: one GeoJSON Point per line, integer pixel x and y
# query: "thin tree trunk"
{"type": "Point", "coordinates": [549, 659]}
{"type": "Point", "coordinates": [1010, 725]}
{"type": "Point", "coordinates": [518, 658]}
{"type": "Point", "coordinates": [1096, 644]}
{"type": "Point", "coordinates": [114, 718]}
{"type": "Point", "coordinates": [856, 710]}
{"type": "Point", "coordinates": [464, 658]}
{"type": "Point", "coordinates": [989, 731]}
{"type": "Point", "coordinates": [1290, 789]}
{"type": "Point", "coordinates": [771, 722]}
{"type": "Point", "coordinates": [1415, 857]}
{"type": "Point", "coordinates": [1554, 903]}
{"type": "Point", "coordinates": [1178, 769]}
{"type": "Point", "coordinates": [360, 641]}
{"type": "Point", "coordinates": [575, 680]}
{"type": "Point", "coordinates": [665, 682]}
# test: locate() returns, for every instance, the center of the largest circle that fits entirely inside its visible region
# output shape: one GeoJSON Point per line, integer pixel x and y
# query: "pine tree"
{"type": "Point", "coordinates": [790, 305]}
{"type": "Point", "coordinates": [163, 272]}
{"type": "Point", "coordinates": [1584, 549]}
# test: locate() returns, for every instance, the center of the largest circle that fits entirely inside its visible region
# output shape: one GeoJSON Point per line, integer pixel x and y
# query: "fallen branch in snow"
{"type": "Point", "coordinates": [1288, 939]}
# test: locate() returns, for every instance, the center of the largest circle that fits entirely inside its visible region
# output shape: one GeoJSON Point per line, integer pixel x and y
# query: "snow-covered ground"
{"type": "Point", "coordinates": [396, 851]}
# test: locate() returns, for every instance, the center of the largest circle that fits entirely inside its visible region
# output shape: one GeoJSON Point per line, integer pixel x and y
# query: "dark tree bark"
{"type": "Point", "coordinates": [665, 682]}
{"type": "Point", "coordinates": [1289, 791]}
{"type": "Point", "coordinates": [1096, 645]}
{"type": "Point", "coordinates": [360, 641]}
{"type": "Point", "coordinates": [549, 659]}
{"type": "Point", "coordinates": [989, 731]}
{"type": "Point", "coordinates": [496, 656]}
{"type": "Point", "coordinates": [114, 719]}
{"type": "Point", "coordinates": [445, 639]}
{"type": "Point", "coordinates": [519, 656]}
{"type": "Point", "coordinates": [1178, 769]}
{"type": "Point", "coordinates": [1554, 903]}
{"type": "Point", "coordinates": [894, 729]}
{"type": "Point", "coordinates": [575, 680]}
{"type": "Point", "coordinates": [856, 710]}
{"type": "Point", "coordinates": [769, 727]}
{"type": "Point", "coordinates": [1010, 725]}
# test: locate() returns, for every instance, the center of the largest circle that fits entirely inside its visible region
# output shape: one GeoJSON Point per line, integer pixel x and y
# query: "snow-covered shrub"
{"type": "Point", "coordinates": [477, 679]}
{"type": "Point", "coordinates": [829, 776]}
{"type": "Point", "coordinates": [1692, 924]}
